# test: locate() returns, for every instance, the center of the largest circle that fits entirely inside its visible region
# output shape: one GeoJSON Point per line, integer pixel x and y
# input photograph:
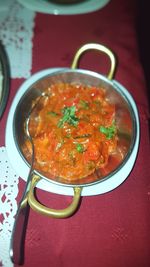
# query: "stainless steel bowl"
{"type": "Point", "coordinates": [114, 93]}
{"type": "Point", "coordinates": [123, 108]}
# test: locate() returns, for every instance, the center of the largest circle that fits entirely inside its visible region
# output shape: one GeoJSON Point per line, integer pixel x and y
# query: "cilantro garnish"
{"type": "Point", "coordinates": [80, 148]}
{"type": "Point", "coordinates": [82, 136]}
{"type": "Point", "coordinates": [68, 116]}
{"type": "Point", "coordinates": [84, 104]}
{"type": "Point", "coordinates": [52, 113]}
{"type": "Point", "coordinates": [108, 131]}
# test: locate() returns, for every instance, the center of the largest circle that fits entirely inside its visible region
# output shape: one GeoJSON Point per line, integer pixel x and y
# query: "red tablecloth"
{"type": "Point", "coordinates": [109, 230]}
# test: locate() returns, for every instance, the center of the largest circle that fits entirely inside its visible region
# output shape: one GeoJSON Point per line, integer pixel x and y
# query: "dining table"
{"type": "Point", "coordinates": [109, 228]}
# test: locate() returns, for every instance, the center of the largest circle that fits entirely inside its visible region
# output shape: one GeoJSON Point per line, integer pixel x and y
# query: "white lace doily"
{"type": "Point", "coordinates": [16, 34]}
{"type": "Point", "coordinates": [8, 205]}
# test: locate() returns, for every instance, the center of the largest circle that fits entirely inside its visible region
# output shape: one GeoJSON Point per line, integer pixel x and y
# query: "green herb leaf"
{"type": "Point", "coordinates": [80, 148]}
{"type": "Point", "coordinates": [68, 116]}
{"type": "Point", "coordinates": [82, 136]}
{"type": "Point", "coordinates": [108, 131]}
{"type": "Point", "coordinates": [84, 104]}
{"type": "Point", "coordinates": [52, 113]}
{"type": "Point", "coordinates": [67, 135]}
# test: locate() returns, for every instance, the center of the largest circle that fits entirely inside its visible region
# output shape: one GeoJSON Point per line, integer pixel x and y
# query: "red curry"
{"type": "Point", "coordinates": [75, 131]}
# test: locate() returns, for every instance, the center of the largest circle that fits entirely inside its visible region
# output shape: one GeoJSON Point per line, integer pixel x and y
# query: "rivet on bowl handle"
{"type": "Point", "coordinates": [100, 48]}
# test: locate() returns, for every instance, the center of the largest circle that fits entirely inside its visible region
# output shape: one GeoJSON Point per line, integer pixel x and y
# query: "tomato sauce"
{"type": "Point", "coordinates": [74, 133]}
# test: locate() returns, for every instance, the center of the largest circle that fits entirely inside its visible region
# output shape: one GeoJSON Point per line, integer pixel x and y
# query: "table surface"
{"type": "Point", "coordinates": [111, 229]}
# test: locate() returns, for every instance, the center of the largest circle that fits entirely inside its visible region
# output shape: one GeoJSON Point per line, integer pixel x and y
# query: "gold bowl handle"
{"type": "Point", "coordinates": [38, 207]}
{"type": "Point", "coordinates": [101, 48]}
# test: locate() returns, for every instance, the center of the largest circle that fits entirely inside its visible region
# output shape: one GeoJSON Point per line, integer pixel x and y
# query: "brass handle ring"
{"type": "Point", "coordinates": [99, 47]}
{"type": "Point", "coordinates": [38, 207]}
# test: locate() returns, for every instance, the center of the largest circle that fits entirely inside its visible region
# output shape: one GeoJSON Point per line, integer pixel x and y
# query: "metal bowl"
{"type": "Point", "coordinates": [114, 93]}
